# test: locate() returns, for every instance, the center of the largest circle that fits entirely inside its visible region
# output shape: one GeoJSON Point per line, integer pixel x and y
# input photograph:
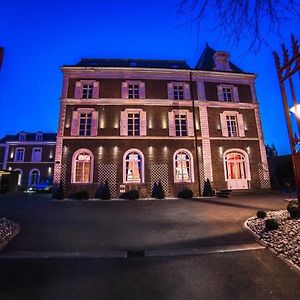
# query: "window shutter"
{"type": "Point", "coordinates": [142, 90]}
{"type": "Point", "coordinates": [187, 91]}
{"type": "Point", "coordinates": [96, 90]}
{"type": "Point", "coordinates": [170, 91]}
{"type": "Point", "coordinates": [241, 125]}
{"type": "Point", "coordinates": [220, 93]}
{"type": "Point", "coordinates": [235, 94]}
{"type": "Point", "coordinates": [124, 90]}
{"type": "Point", "coordinates": [223, 124]}
{"type": "Point", "coordinates": [78, 90]}
{"type": "Point", "coordinates": [94, 127]}
{"type": "Point", "coordinates": [75, 123]}
{"type": "Point", "coordinates": [172, 129]}
{"type": "Point", "coordinates": [190, 122]}
{"type": "Point", "coordinates": [143, 123]}
{"type": "Point", "coordinates": [123, 124]}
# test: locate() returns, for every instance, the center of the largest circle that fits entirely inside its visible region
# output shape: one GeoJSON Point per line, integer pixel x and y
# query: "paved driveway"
{"type": "Point", "coordinates": [104, 226]}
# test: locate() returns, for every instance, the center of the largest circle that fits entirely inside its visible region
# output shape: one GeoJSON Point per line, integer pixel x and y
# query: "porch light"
{"type": "Point", "coordinates": [12, 154]}
{"type": "Point", "coordinates": [296, 110]}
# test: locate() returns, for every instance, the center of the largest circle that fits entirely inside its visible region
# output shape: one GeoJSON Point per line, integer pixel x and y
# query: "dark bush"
{"type": "Point", "coordinates": [261, 214]}
{"type": "Point", "coordinates": [185, 194]}
{"type": "Point", "coordinates": [82, 195]}
{"type": "Point", "coordinates": [293, 209]}
{"type": "Point", "coordinates": [207, 189]}
{"type": "Point", "coordinates": [154, 191]}
{"type": "Point", "coordinates": [99, 191]}
{"type": "Point", "coordinates": [131, 195]}
{"type": "Point", "coordinates": [160, 191]}
{"type": "Point", "coordinates": [106, 191]}
{"type": "Point", "coordinates": [271, 224]}
{"type": "Point", "coordinates": [292, 203]}
{"type": "Point", "coordinates": [59, 193]}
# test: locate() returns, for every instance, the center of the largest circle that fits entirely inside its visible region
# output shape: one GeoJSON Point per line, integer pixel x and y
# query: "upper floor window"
{"type": "Point", "coordinates": [179, 91]}
{"type": "Point", "coordinates": [133, 89]}
{"type": "Point", "coordinates": [82, 166]}
{"type": "Point", "coordinates": [85, 124]}
{"type": "Point", "coordinates": [181, 123]}
{"type": "Point", "coordinates": [183, 166]}
{"type": "Point", "coordinates": [228, 93]}
{"type": "Point", "coordinates": [19, 154]}
{"type": "Point", "coordinates": [22, 136]}
{"type": "Point", "coordinates": [133, 122]}
{"type": "Point", "coordinates": [133, 166]}
{"type": "Point", "coordinates": [232, 124]}
{"type": "Point", "coordinates": [36, 155]}
{"type": "Point", "coordinates": [86, 89]}
{"type": "Point", "coordinates": [39, 136]}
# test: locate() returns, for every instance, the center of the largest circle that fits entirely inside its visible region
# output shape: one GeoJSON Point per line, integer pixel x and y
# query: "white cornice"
{"type": "Point", "coordinates": [24, 143]}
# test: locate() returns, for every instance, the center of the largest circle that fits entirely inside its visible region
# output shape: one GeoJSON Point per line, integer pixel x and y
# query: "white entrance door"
{"type": "Point", "coordinates": [236, 171]}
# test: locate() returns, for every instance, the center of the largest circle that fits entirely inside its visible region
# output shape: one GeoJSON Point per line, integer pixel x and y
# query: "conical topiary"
{"type": "Point", "coordinates": [154, 191]}
{"type": "Point", "coordinates": [99, 191]}
{"type": "Point", "coordinates": [160, 191]}
{"type": "Point", "coordinates": [207, 190]}
{"type": "Point", "coordinates": [106, 191]}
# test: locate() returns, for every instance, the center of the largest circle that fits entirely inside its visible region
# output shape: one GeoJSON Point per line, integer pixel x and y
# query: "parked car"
{"type": "Point", "coordinates": [45, 186]}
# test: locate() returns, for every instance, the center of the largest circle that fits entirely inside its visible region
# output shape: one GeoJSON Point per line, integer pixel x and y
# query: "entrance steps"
{"type": "Point", "coordinates": [224, 193]}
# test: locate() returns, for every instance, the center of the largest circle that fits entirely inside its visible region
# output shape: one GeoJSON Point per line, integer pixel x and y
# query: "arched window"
{"type": "Point", "coordinates": [34, 177]}
{"type": "Point", "coordinates": [82, 166]}
{"type": "Point", "coordinates": [183, 166]}
{"type": "Point", "coordinates": [133, 166]}
{"type": "Point", "coordinates": [20, 174]}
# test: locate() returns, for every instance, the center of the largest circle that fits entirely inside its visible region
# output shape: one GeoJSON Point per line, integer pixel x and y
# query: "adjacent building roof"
{"type": "Point", "coordinates": [131, 63]}
{"type": "Point", "coordinates": [30, 137]}
{"type": "Point", "coordinates": [206, 61]}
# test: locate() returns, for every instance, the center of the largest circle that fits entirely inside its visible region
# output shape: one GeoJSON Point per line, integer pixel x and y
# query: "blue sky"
{"type": "Point", "coordinates": [40, 36]}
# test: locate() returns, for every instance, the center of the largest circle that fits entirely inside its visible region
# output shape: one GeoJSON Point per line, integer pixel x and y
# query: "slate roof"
{"type": "Point", "coordinates": [206, 61]}
{"type": "Point", "coordinates": [30, 137]}
{"type": "Point", "coordinates": [131, 63]}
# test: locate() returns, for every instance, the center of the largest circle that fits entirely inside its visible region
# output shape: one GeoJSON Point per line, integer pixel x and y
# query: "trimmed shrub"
{"type": "Point", "coordinates": [160, 191]}
{"type": "Point", "coordinates": [154, 191]}
{"type": "Point", "coordinates": [59, 193]}
{"type": "Point", "coordinates": [271, 224]}
{"type": "Point", "coordinates": [82, 195]}
{"type": "Point", "coordinates": [185, 194]}
{"type": "Point", "coordinates": [293, 209]}
{"type": "Point", "coordinates": [207, 189]}
{"type": "Point", "coordinates": [261, 214]}
{"type": "Point", "coordinates": [131, 195]}
{"type": "Point", "coordinates": [106, 191]}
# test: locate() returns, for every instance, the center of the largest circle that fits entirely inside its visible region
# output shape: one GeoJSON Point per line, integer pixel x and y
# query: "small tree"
{"type": "Point", "coordinates": [207, 190]}
{"type": "Point", "coordinates": [106, 191]}
{"type": "Point", "coordinates": [59, 193]}
{"type": "Point", "coordinates": [154, 190]}
{"type": "Point", "coordinates": [160, 191]}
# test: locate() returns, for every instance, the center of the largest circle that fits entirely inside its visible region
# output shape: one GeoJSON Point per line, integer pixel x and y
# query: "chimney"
{"type": "Point", "coordinates": [221, 61]}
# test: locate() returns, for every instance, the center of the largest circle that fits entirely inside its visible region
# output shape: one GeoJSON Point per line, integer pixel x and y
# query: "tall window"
{"type": "Point", "coordinates": [178, 92]}
{"type": "Point", "coordinates": [133, 124]}
{"type": "Point", "coordinates": [227, 94]}
{"type": "Point", "coordinates": [232, 126]}
{"type": "Point", "coordinates": [82, 165]}
{"type": "Point", "coordinates": [85, 123]}
{"type": "Point", "coordinates": [181, 125]}
{"type": "Point", "coordinates": [36, 155]}
{"type": "Point", "coordinates": [133, 91]}
{"type": "Point", "coordinates": [19, 154]}
{"type": "Point", "coordinates": [34, 177]}
{"type": "Point", "coordinates": [87, 91]}
{"type": "Point", "coordinates": [183, 166]}
{"type": "Point", "coordinates": [133, 166]}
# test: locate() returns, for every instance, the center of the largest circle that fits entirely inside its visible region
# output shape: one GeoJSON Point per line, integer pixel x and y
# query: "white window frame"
{"type": "Point", "coordinates": [178, 86]}
{"type": "Point", "coordinates": [186, 90]}
{"type": "Point", "coordinates": [135, 121]}
{"type": "Point", "coordinates": [234, 93]}
{"type": "Point", "coordinates": [87, 89]}
{"type": "Point", "coordinates": [32, 154]}
{"type": "Point", "coordinates": [30, 176]}
{"type": "Point", "coordinates": [189, 121]}
{"type": "Point", "coordinates": [179, 117]}
{"type": "Point", "coordinates": [124, 121]}
{"type": "Point", "coordinates": [191, 161]}
{"type": "Point", "coordinates": [86, 116]}
{"type": "Point", "coordinates": [240, 126]}
{"type": "Point", "coordinates": [16, 150]}
{"type": "Point", "coordinates": [141, 89]}
{"type": "Point", "coordinates": [73, 170]}
{"type": "Point", "coordinates": [142, 171]}
{"type": "Point", "coordinates": [232, 125]}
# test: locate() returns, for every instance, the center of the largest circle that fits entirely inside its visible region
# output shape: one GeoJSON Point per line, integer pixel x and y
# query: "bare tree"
{"type": "Point", "coordinates": [242, 20]}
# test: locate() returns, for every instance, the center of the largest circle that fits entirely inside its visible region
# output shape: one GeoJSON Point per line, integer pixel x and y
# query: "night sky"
{"type": "Point", "coordinates": [40, 36]}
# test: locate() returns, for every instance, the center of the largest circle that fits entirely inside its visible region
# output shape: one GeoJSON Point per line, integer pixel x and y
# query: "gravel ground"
{"type": "Point", "coordinates": [285, 240]}
{"type": "Point", "coordinates": [7, 230]}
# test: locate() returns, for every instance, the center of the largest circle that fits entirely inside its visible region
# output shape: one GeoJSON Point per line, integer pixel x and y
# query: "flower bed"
{"type": "Point", "coordinates": [8, 230]}
{"type": "Point", "coordinates": [285, 240]}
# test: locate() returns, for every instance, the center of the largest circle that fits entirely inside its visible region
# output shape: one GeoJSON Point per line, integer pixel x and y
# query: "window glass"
{"type": "Point", "coordinates": [133, 124]}
{"type": "Point", "coordinates": [82, 168]}
{"type": "Point", "coordinates": [87, 91]}
{"type": "Point", "coordinates": [133, 163]}
{"type": "Point", "coordinates": [133, 91]}
{"type": "Point", "coordinates": [227, 94]}
{"type": "Point", "coordinates": [231, 122]}
{"type": "Point", "coordinates": [178, 92]}
{"type": "Point", "coordinates": [183, 167]}
{"type": "Point", "coordinates": [85, 124]}
{"type": "Point", "coordinates": [19, 154]}
{"type": "Point", "coordinates": [181, 125]}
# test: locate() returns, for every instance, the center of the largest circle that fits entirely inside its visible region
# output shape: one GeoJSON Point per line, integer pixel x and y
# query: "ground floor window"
{"type": "Point", "coordinates": [34, 177]}
{"type": "Point", "coordinates": [133, 166]}
{"type": "Point", "coordinates": [82, 166]}
{"type": "Point", "coordinates": [183, 166]}
{"type": "Point", "coordinates": [20, 174]}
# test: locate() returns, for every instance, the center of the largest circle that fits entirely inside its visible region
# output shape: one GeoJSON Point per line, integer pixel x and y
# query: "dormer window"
{"type": "Point", "coordinates": [39, 136]}
{"type": "Point", "coordinates": [22, 136]}
{"type": "Point", "coordinates": [221, 61]}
